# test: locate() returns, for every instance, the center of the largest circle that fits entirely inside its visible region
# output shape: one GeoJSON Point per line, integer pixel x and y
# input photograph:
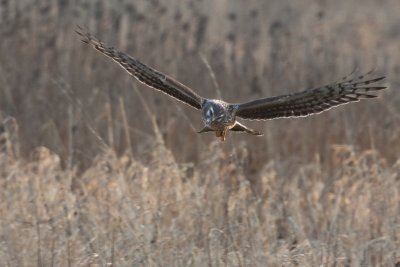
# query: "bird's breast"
{"type": "Point", "coordinates": [221, 124]}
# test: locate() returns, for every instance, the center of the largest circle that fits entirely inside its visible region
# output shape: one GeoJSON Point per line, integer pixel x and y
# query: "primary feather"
{"type": "Point", "coordinates": [310, 101]}
{"type": "Point", "coordinates": [145, 74]}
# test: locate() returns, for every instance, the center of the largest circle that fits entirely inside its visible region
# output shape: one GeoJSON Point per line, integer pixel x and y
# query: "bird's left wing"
{"type": "Point", "coordinates": [310, 101]}
{"type": "Point", "coordinates": [145, 74]}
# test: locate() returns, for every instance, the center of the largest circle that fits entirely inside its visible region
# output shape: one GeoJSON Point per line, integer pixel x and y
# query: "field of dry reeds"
{"type": "Point", "coordinates": [99, 170]}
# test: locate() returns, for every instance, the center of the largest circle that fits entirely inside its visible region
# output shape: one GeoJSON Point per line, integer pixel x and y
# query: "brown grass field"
{"type": "Point", "coordinates": [98, 170]}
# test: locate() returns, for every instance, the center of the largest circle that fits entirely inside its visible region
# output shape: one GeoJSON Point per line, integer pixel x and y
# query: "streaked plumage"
{"type": "Point", "coordinates": [220, 116]}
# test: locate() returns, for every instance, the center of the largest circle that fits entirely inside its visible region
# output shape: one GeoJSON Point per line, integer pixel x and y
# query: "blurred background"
{"type": "Point", "coordinates": [255, 49]}
{"type": "Point", "coordinates": [97, 169]}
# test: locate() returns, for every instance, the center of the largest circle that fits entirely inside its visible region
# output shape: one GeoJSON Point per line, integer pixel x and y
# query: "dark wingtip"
{"type": "Point", "coordinates": [368, 96]}
{"type": "Point", "coordinates": [366, 82]}
{"type": "Point", "coordinates": [378, 79]}
{"type": "Point", "coordinates": [85, 35]}
{"type": "Point", "coordinates": [79, 30]}
{"type": "Point", "coordinates": [376, 88]}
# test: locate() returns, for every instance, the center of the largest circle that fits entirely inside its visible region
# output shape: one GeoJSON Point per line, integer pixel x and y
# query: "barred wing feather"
{"type": "Point", "coordinates": [310, 101]}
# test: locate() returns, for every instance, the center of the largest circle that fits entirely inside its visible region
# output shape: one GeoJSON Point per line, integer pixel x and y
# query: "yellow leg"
{"type": "Point", "coordinates": [221, 134]}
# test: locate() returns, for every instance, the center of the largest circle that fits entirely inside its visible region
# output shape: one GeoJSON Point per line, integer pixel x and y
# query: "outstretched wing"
{"type": "Point", "coordinates": [310, 101]}
{"type": "Point", "coordinates": [145, 74]}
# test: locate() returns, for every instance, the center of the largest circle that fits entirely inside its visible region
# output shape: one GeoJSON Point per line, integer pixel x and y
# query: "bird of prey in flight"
{"type": "Point", "coordinates": [220, 116]}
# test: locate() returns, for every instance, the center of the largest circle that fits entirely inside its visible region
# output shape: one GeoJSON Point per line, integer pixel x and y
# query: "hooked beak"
{"type": "Point", "coordinates": [213, 118]}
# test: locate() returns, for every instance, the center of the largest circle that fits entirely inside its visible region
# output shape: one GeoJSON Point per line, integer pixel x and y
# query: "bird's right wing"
{"type": "Point", "coordinates": [145, 74]}
{"type": "Point", "coordinates": [310, 101]}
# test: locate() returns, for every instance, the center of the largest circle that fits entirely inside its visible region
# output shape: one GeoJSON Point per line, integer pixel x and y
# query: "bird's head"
{"type": "Point", "coordinates": [213, 112]}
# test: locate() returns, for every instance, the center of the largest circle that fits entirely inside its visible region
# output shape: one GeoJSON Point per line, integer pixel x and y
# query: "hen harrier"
{"type": "Point", "coordinates": [220, 116]}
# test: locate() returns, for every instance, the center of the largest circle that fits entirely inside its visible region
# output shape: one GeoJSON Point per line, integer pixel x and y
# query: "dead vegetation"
{"type": "Point", "coordinates": [122, 212]}
{"type": "Point", "coordinates": [97, 170]}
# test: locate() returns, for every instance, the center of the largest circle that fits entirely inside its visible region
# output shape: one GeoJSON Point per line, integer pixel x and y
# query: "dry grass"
{"type": "Point", "coordinates": [89, 177]}
{"type": "Point", "coordinates": [126, 213]}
